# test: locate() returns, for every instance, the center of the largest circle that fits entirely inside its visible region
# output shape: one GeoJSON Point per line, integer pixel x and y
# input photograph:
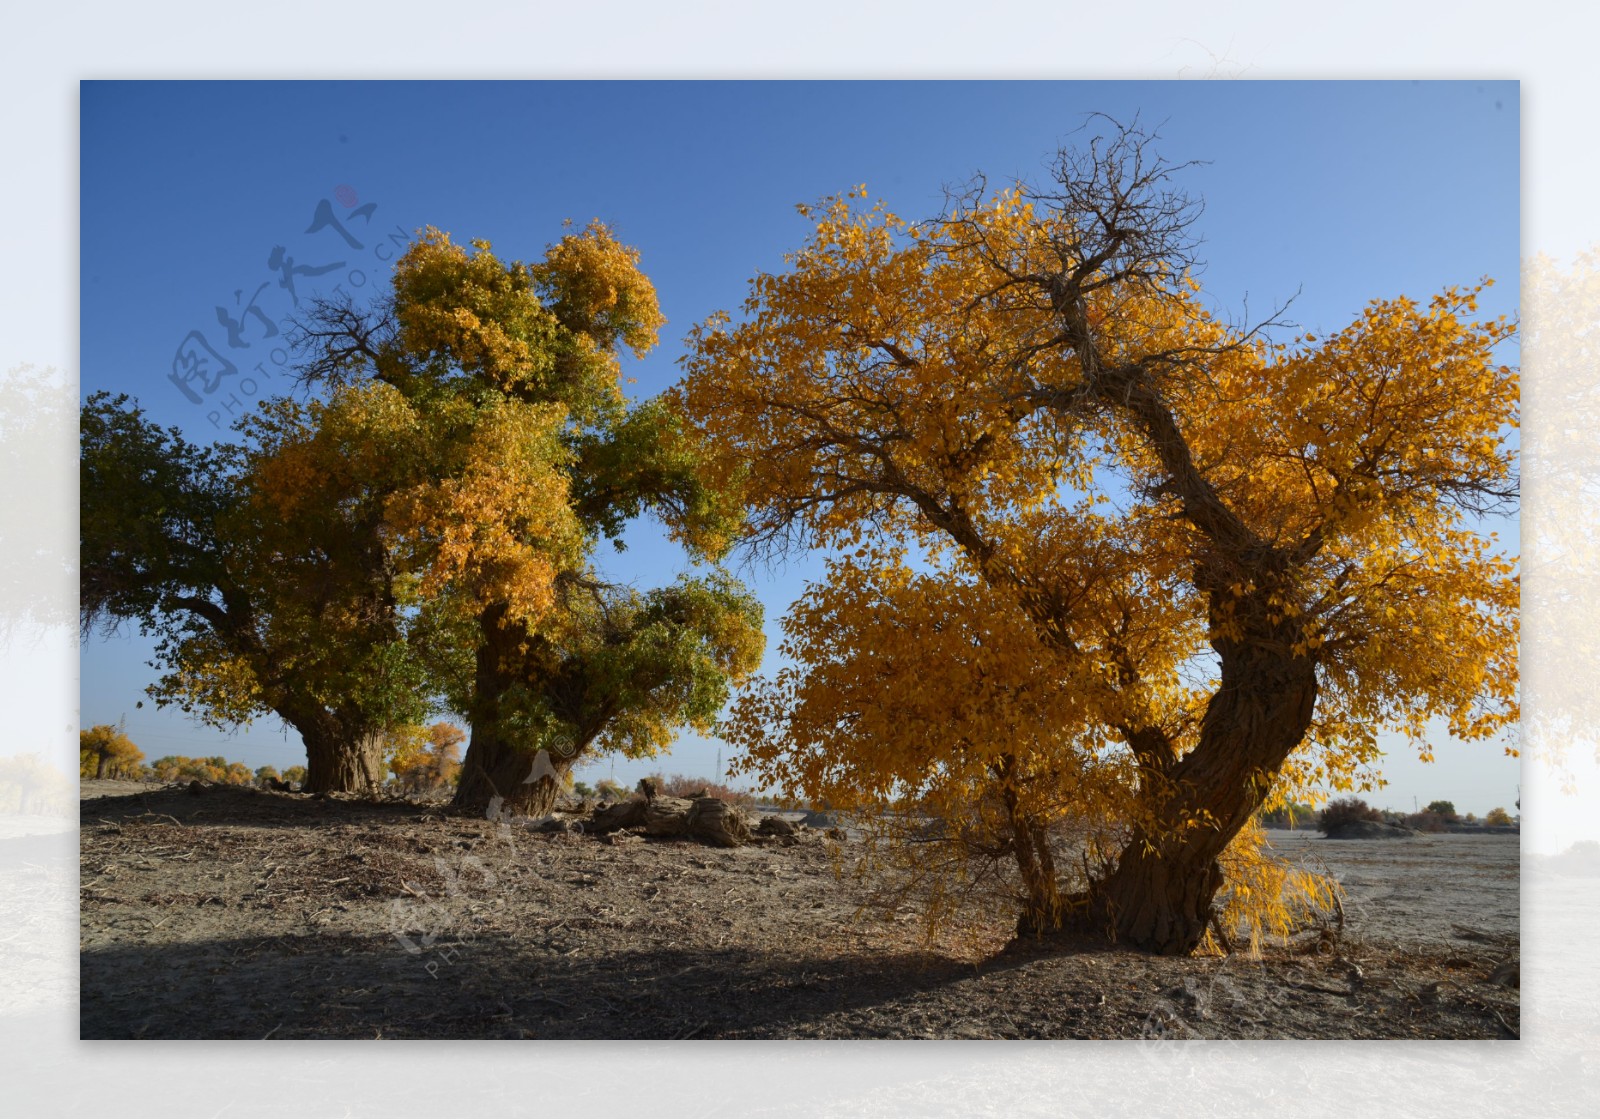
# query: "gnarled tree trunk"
{"type": "Point", "coordinates": [344, 764]}
{"type": "Point", "coordinates": [526, 782]}
{"type": "Point", "coordinates": [1160, 894]}
{"type": "Point", "coordinates": [339, 758]}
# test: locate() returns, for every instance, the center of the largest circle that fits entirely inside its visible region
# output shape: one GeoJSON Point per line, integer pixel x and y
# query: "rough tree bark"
{"type": "Point", "coordinates": [343, 753]}
{"type": "Point", "coordinates": [1160, 894]}
{"type": "Point", "coordinates": [494, 766]}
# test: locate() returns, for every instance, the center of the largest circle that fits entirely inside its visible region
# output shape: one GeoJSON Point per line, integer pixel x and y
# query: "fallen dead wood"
{"type": "Point", "coordinates": [708, 819]}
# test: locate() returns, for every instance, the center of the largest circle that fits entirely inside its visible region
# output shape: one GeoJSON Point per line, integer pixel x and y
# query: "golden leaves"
{"type": "Point", "coordinates": [1039, 568]}
{"type": "Point", "coordinates": [542, 332]}
{"type": "Point", "coordinates": [471, 309]}
{"type": "Point", "coordinates": [593, 284]}
{"type": "Point", "coordinates": [492, 521]}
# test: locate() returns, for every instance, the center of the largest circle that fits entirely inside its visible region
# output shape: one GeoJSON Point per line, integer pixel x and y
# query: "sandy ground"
{"type": "Point", "coordinates": [242, 914]}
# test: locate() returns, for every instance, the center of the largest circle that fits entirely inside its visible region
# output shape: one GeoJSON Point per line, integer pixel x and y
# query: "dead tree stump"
{"type": "Point", "coordinates": [715, 821]}
{"type": "Point", "coordinates": [624, 814]}
{"type": "Point", "coordinates": [667, 816]}
{"type": "Point", "coordinates": [709, 819]}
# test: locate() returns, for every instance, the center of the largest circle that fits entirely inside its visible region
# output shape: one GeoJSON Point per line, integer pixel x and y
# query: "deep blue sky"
{"type": "Point", "coordinates": [1344, 191]}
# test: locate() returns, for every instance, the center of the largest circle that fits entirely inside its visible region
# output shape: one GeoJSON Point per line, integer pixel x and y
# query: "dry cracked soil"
{"type": "Point", "coordinates": [235, 913]}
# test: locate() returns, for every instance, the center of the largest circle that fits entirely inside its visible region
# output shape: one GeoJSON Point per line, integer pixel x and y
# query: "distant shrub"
{"type": "Point", "coordinates": [1294, 814]}
{"type": "Point", "coordinates": [1445, 809]}
{"type": "Point", "coordinates": [1428, 821]}
{"type": "Point", "coordinates": [679, 785]}
{"type": "Point", "coordinates": [181, 768]}
{"type": "Point", "coordinates": [1497, 818]}
{"type": "Point", "coordinates": [1346, 810]}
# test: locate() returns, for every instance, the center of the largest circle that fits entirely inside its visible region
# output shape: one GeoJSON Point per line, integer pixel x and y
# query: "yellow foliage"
{"type": "Point", "coordinates": [1085, 534]}
{"type": "Point", "coordinates": [105, 751]}
{"type": "Point", "coordinates": [1268, 899]}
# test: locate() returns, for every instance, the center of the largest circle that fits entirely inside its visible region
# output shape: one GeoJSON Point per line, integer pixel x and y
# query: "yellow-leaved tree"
{"type": "Point", "coordinates": [105, 751]}
{"type": "Point", "coordinates": [521, 455]}
{"type": "Point", "coordinates": [1099, 558]}
{"type": "Point", "coordinates": [264, 568]}
{"type": "Point", "coordinates": [418, 535]}
{"type": "Point", "coordinates": [426, 758]}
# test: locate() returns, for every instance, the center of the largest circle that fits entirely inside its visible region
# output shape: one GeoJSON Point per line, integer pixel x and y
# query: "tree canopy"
{"type": "Point", "coordinates": [105, 751]}
{"type": "Point", "coordinates": [417, 534]}
{"type": "Point", "coordinates": [262, 568]}
{"type": "Point", "coordinates": [1096, 553]}
{"type": "Point", "coordinates": [506, 380]}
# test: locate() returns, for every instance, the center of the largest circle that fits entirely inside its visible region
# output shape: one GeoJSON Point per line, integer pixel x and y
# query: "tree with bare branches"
{"type": "Point", "coordinates": [1095, 551]}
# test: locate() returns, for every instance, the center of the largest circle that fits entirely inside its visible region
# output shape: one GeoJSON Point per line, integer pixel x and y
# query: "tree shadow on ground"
{"type": "Point", "coordinates": [388, 986]}
{"type": "Point", "coordinates": [246, 806]}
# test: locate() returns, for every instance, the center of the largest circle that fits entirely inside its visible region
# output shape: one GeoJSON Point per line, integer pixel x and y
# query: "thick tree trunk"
{"type": "Point", "coordinates": [527, 784]}
{"type": "Point", "coordinates": [341, 755]}
{"type": "Point", "coordinates": [1159, 897]}
{"type": "Point", "coordinates": [339, 762]}
{"type": "Point", "coordinates": [1157, 900]}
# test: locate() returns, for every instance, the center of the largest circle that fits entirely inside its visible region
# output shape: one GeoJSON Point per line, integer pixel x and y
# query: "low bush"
{"type": "Point", "coordinates": [679, 785]}
{"type": "Point", "coordinates": [1346, 810]}
{"type": "Point", "coordinates": [1445, 809]}
{"type": "Point", "coordinates": [1294, 814]}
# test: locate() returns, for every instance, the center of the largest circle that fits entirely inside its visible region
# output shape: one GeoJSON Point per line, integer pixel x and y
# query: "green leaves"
{"type": "Point", "coordinates": [645, 461]}
{"type": "Point", "coordinates": [149, 504]}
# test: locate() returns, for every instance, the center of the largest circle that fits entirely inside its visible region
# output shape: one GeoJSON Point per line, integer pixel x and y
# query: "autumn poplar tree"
{"type": "Point", "coordinates": [1096, 554]}
{"type": "Point", "coordinates": [105, 751]}
{"type": "Point", "coordinates": [508, 376]}
{"type": "Point", "coordinates": [262, 569]}
{"type": "Point", "coordinates": [425, 758]}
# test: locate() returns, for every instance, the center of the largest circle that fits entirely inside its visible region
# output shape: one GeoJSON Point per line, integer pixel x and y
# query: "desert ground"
{"type": "Point", "coordinates": [235, 913]}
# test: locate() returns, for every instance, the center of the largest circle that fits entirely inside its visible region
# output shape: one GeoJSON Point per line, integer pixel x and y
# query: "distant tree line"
{"type": "Point", "coordinates": [1438, 816]}
{"type": "Point", "coordinates": [417, 760]}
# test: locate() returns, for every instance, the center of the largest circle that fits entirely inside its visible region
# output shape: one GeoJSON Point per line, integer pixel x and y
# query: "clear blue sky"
{"type": "Point", "coordinates": [1344, 191]}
